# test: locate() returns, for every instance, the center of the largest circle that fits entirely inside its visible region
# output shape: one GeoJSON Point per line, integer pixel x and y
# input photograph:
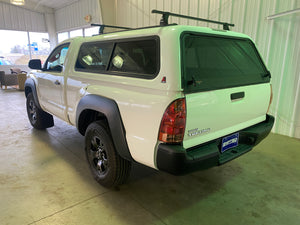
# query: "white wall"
{"type": "Point", "coordinates": [17, 18]}
{"type": "Point", "coordinates": [72, 16]}
{"type": "Point", "coordinates": [277, 40]}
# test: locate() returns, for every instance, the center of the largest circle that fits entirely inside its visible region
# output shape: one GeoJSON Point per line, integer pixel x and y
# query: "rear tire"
{"type": "Point", "coordinates": [107, 166]}
{"type": "Point", "coordinates": [38, 118]}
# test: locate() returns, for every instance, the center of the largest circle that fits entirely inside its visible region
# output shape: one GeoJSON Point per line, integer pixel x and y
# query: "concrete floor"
{"type": "Point", "coordinates": [44, 179]}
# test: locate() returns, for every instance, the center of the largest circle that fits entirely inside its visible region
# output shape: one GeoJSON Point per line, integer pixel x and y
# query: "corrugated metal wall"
{"type": "Point", "coordinates": [72, 16]}
{"type": "Point", "coordinates": [278, 40]}
{"type": "Point", "coordinates": [17, 18]}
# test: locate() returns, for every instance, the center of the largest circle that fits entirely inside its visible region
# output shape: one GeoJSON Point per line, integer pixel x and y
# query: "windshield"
{"type": "Point", "coordinates": [214, 62]}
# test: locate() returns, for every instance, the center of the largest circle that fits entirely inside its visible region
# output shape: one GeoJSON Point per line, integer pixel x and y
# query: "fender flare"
{"type": "Point", "coordinates": [30, 84]}
{"type": "Point", "coordinates": [110, 110]}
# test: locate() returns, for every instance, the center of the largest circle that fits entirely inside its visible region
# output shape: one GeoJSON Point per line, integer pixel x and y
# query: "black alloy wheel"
{"type": "Point", "coordinates": [107, 166]}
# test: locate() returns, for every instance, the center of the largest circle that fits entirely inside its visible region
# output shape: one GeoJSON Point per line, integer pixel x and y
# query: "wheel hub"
{"type": "Point", "coordinates": [98, 155]}
{"type": "Point", "coordinates": [102, 160]}
{"type": "Point", "coordinates": [32, 111]}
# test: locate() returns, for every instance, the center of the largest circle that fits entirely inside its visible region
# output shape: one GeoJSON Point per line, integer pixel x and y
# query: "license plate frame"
{"type": "Point", "coordinates": [229, 142]}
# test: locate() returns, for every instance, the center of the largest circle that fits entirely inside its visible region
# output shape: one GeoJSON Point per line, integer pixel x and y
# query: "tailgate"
{"type": "Point", "coordinates": [215, 114]}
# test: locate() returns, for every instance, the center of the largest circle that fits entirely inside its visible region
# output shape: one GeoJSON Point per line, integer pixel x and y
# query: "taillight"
{"type": "Point", "coordinates": [271, 98]}
{"type": "Point", "coordinates": [172, 125]}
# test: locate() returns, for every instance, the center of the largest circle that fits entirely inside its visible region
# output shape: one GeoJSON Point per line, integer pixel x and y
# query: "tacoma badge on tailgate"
{"type": "Point", "coordinates": [197, 132]}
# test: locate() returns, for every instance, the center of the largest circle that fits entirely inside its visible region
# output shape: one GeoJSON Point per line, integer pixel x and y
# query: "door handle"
{"type": "Point", "coordinates": [238, 95]}
{"type": "Point", "coordinates": [57, 82]}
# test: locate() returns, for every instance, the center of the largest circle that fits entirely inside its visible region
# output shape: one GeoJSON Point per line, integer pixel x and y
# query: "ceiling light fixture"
{"type": "Point", "coordinates": [17, 2]}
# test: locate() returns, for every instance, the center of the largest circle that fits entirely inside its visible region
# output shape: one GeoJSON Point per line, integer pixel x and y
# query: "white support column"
{"type": "Point", "coordinates": [51, 29]}
{"type": "Point", "coordinates": [108, 11]}
{"type": "Point", "coordinates": [29, 45]}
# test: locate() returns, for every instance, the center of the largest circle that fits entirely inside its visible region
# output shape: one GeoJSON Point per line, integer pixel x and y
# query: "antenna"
{"type": "Point", "coordinates": [165, 18]}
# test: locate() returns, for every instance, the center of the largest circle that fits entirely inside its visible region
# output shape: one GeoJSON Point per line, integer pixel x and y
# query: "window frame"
{"type": "Point", "coordinates": [27, 51]}
{"type": "Point", "coordinates": [121, 73]}
{"type": "Point", "coordinates": [66, 44]}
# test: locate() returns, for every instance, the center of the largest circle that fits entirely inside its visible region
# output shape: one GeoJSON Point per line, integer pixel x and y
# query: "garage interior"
{"type": "Point", "coordinates": [44, 175]}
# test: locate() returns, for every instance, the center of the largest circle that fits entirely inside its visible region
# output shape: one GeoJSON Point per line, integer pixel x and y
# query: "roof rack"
{"type": "Point", "coordinates": [165, 17]}
{"type": "Point", "coordinates": [102, 26]}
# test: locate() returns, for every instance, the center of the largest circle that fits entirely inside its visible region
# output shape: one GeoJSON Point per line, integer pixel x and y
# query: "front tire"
{"type": "Point", "coordinates": [107, 166]}
{"type": "Point", "coordinates": [38, 118]}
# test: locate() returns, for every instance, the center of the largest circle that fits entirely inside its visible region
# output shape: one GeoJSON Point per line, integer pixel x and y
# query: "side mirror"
{"type": "Point", "coordinates": [35, 64]}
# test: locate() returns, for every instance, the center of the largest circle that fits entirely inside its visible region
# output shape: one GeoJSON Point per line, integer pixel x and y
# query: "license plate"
{"type": "Point", "coordinates": [230, 142]}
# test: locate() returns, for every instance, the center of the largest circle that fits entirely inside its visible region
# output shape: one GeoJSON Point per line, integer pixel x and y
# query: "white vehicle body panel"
{"type": "Point", "coordinates": [51, 95]}
{"type": "Point", "coordinates": [213, 114]}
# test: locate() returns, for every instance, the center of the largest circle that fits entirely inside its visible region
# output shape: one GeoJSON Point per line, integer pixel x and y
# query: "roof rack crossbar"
{"type": "Point", "coordinates": [102, 26]}
{"type": "Point", "coordinates": [165, 17]}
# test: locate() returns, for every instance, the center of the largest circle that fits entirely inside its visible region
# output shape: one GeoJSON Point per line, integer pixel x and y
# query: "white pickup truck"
{"type": "Point", "coordinates": [175, 98]}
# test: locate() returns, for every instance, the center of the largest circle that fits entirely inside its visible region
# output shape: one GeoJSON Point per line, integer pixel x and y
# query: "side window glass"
{"type": "Point", "coordinates": [139, 57]}
{"type": "Point", "coordinates": [57, 58]}
{"type": "Point", "coordinates": [93, 57]}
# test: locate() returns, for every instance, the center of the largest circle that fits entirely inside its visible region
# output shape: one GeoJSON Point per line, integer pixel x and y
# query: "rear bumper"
{"type": "Point", "coordinates": [177, 160]}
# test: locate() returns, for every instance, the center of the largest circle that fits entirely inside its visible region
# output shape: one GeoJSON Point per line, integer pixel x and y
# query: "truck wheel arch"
{"type": "Point", "coordinates": [30, 87]}
{"type": "Point", "coordinates": [108, 110]}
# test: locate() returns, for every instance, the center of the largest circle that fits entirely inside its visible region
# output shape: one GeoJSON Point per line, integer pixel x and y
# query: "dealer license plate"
{"type": "Point", "coordinates": [230, 142]}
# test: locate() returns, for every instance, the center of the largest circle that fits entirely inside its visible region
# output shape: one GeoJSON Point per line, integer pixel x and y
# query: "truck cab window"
{"type": "Point", "coordinates": [93, 57]}
{"type": "Point", "coordinates": [56, 59]}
